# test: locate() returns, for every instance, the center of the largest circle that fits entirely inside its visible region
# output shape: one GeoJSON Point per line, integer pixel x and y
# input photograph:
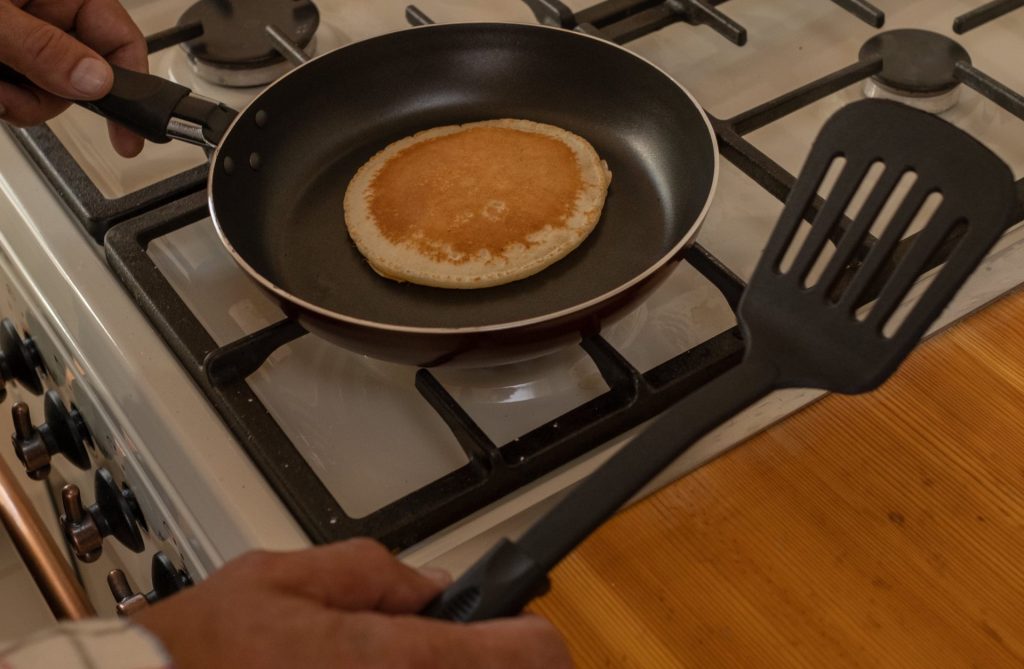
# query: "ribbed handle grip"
{"type": "Point", "coordinates": [499, 585]}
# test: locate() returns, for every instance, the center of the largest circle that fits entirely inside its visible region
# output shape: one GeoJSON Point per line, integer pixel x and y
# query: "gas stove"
{"type": "Point", "coordinates": [223, 427]}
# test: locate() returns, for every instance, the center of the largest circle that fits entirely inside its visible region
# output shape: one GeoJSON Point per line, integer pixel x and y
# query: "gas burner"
{"type": "Point", "coordinates": [249, 43]}
{"type": "Point", "coordinates": [918, 69]}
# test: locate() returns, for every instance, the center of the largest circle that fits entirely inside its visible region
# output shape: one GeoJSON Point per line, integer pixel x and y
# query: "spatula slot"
{"type": "Point", "coordinates": [872, 217]}
{"type": "Point", "coordinates": [827, 251]}
{"type": "Point", "coordinates": [901, 267]}
{"type": "Point", "coordinates": [798, 237]}
{"type": "Point", "coordinates": [803, 231]}
{"type": "Point", "coordinates": [880, 262]}
{"type": "Point", "coordinates": [861, 185]}
{"type": "Point", "coordinates": [924, 263]}
{"type": "Point", "coordinates": [871, 181]}
{"type": "Point", "coordinates": [895, 265]}
{"type": "Point", "coordinates": [896, 198]}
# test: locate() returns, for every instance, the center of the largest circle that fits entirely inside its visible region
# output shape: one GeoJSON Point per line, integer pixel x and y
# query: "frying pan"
{"type": "Point", "coordinates": [280, 169]}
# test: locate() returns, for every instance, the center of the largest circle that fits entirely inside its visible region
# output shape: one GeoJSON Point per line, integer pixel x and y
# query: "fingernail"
{"type": "Point", "coordinates": [91, 77]}
{"type": "Point", "coordinates": [439, 576]}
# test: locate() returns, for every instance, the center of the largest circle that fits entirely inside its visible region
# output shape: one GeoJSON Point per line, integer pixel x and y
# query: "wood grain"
{"type": "Point", "coordinates": [881, 530]}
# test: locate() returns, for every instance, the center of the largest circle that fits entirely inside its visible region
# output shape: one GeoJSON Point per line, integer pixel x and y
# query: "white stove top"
{"type": "Point", "coordinates": [392, 442]}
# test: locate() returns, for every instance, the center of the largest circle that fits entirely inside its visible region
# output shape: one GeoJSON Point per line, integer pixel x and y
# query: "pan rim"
{"type": "Point", "coordinates": [290, 298]}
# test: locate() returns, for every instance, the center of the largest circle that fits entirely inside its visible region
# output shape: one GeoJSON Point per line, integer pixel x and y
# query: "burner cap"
{"type": "Point", "coordinates": [916, 62]}
{"type": "Point", "coordinates": [234, 32]}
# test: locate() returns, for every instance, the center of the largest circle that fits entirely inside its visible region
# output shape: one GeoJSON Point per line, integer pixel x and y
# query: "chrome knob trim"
{"type": "Point", "coordinates": [28, 443]}
{"type": "Point", "coordinates": [81, 530]}
{"type": "Point", "coordinates": [128, 601]}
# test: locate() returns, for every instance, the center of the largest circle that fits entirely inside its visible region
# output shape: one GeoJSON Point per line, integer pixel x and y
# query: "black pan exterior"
{"type": "Point", "coordinates": [279, 178]}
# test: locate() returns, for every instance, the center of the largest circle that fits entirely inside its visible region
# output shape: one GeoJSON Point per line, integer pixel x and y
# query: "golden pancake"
{"type": "Point", "coordinates": [476, 205]}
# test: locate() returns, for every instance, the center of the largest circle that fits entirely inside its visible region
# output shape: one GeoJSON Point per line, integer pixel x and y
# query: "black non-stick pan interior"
{"type": "Point", "coordinates": [294, 151]}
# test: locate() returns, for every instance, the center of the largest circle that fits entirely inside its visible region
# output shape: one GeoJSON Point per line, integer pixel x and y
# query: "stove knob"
{"type": "Point", "coordinates": [80, 526]}
{"type": "Point", "coordinates": [19, 360]}
{"type": "Point", "coordinates": [115, 513]}
{"type": "Point", "coordinates": [167, 580]}
{"type": "Point", "coordinates": [128, 601]}
{"type": "Point", "coordinates": [28, 443]}
{"type": "Point", "coordinates": [63, 432]}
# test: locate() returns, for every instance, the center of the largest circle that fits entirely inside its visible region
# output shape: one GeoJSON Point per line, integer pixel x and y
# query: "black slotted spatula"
{"type": "Point", "coordinates": [825, 336]}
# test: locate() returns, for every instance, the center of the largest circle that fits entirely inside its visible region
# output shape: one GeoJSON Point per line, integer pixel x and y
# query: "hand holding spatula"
{"type": "Point", "coordinates": [802, 330]}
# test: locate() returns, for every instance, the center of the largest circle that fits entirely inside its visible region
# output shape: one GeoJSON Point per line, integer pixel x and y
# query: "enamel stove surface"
{"type": "Point", "coordinates": [203, 499]}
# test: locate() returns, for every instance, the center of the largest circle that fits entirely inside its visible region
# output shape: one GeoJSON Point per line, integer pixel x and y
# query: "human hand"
{"type": "Point", "coordinates": [349, 605]}
{"type": "Point", "coordinates": [36, 40]}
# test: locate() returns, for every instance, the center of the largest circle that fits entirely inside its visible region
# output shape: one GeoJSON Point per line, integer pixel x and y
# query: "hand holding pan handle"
{"type": "Point", "coordinates": [155, 108]}
{"type": "Point", "coordinates": [161, 110]}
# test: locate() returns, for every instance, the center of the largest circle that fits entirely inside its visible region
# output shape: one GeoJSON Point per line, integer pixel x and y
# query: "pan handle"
{"type": "Point", "coordinates": [161, 110]}
{"type": "Point", "coordinates": [153, 107]}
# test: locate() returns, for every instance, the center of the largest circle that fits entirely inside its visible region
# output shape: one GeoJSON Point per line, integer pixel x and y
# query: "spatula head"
{"type": "Point", "coordinates": [829, 323]}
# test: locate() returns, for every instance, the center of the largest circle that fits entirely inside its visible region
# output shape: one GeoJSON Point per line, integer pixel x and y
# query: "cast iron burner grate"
{"type": "Point", "coordinates": [990, 11]}
{"type": "Point", "coordinates": [626, 20]}
{"type": "Point", "coordinates": [622, 21]}
{"type": "Point", "coordinates": [492, 472]}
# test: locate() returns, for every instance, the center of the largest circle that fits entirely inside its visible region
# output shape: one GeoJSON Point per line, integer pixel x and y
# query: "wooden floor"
{"type": "Point", "coordinates": [883, 530]}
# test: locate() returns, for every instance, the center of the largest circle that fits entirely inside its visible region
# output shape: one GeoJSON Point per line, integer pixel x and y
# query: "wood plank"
{"type": "Point", "coordinates": [881, 530]}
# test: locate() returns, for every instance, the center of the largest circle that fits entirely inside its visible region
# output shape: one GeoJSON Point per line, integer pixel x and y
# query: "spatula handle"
{"type": "Point", "coordinates": [499, 584]}
{"type": "Point", "coordinates": [512, 573]}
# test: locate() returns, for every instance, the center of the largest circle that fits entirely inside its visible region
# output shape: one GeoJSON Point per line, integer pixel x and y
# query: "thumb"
{"type": "Point", "coordinates": [54, 60]}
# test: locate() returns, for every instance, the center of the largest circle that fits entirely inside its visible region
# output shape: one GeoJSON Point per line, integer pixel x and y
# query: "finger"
{"type": "Point", "coordinates": [54, 60]}
{"type": "Point", "coordinates": [353, 575]}
{"type": "Point", "coordinates": [527, 642]}
{"type": "Point", "coordinates": [130, 55]}
{"type": "Point", "coordinates": [105, 26]}
{"type": "Point", "coordinates": [124, 141]}
{"type": "Point", "coordinates": [23, 106]}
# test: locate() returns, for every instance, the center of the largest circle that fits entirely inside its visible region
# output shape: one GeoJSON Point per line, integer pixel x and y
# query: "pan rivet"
{"type": "Point", "coordinates": [255, 161]}
{"type": "Point", "coordinates": [261, 119]}
{"type": "Point", "coordinates": [229, 165]}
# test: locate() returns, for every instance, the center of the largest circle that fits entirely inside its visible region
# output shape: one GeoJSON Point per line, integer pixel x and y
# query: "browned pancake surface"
{"type": "Point", "coordinates": [476, 205]}
{"type": "Point", "coordinates": [485, 188]}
